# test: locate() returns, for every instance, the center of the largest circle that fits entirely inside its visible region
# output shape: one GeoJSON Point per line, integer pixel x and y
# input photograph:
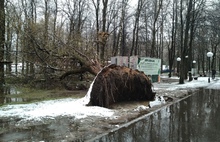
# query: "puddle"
{"type": "Point", "coordinates": [8, 100]}
{"type": "Point", "coordinates": [42, 132]}
{"type": "Point", "coordinates": [195, 118]}
{"type": "Point", "coordinates": [12, 95]}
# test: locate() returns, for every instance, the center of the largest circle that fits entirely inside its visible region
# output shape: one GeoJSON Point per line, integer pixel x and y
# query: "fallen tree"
{"type": "Point", "coordinates": [54, 64]}
{"type": "Point", "coordinates": [117, 84]}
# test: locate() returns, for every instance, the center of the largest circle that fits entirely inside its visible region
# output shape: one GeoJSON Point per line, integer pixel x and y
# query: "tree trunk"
{"type": "Point", "coordinates": [96, 5]}
{"type": "Point", "coordinates": [172, 49]}
{"type": "Point", "coordinates": [2, 42]}
{"type": "Point", "coordinates": [136, 30]}
{"type": "Point", "coordinates": [184, 44]}
{"type": "Point", "coordinates": [123, 24]}
{"type": "Point", "coordinates": [158, 7]}
{"type": "Point", "coordinates": [91, 66]}
{"type": "Point", "coordinates": [104, 15]}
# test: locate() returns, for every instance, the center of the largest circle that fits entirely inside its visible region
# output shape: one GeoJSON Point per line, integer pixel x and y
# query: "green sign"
{"type": "Point", "coordinates": [150, 66]}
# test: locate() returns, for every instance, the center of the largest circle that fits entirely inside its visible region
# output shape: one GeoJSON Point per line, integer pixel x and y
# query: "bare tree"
{"type": "Point", "coordinates": [97, 9]}
{"type": "Point", "coordinates": [115, 25]}
{"type": "Point", "coordinates": [2, 43]}
{"type": "Point", "coordinates": [185, 37]}
{"type": "Point", "coordinates": [134, 46]}
{"type": "Point", "coordinates": [146, 30]}
{"type": "Point", "coordinates": [214, 36]}
{"type": "Point", "coordinates": [123, 28]}
{"type": "Point", "coordinates": [157, 8]}
{"type": "Point", "coordinates": [188, 28]}
{"type": "Point", "coordinates": [104, 17]}
{"type": "Point", "coordinates": [172, 49]}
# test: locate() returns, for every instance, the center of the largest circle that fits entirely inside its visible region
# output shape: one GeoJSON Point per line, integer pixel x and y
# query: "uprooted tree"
{"type": "Point", "coordinates": [117, 84]}
{"type": "Point", "coordinates": [69, 62]}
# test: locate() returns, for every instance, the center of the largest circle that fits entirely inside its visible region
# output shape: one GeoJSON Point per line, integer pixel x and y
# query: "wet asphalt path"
{"type": "Point", "coordinates": [194, 119]}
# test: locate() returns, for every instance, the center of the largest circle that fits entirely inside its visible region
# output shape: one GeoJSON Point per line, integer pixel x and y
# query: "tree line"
{"type": "Point", "coordinates": [63, 37]}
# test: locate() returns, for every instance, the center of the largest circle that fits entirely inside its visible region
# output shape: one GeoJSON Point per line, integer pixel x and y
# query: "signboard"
{"type": "Point", "coordinates": [150, 66]}
{"type": "Point", "coordinates": [133, 62]}
{"type": "Point", "coordinates": [120, 60]}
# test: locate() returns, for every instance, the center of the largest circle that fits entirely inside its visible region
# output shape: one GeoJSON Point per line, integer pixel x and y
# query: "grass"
{"type": "Point", "coordinates": [30, 95]}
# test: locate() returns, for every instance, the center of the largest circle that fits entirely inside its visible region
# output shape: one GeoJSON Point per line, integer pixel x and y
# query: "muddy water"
{"type": "Point", "coordinates": [195, 119]}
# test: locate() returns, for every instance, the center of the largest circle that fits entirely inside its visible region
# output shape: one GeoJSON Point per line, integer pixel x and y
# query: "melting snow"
{"type": "Point", "coordinates": [77, 108]}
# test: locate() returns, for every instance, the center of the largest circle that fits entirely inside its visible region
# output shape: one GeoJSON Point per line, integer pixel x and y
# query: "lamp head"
{"type": "Point", "coordinates": [209, 54]}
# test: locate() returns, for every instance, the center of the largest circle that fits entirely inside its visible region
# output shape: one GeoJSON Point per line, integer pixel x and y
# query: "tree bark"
{"type": "Point", "coordinates": [2, 43]}
{"type": "Point", "coordinates": [104, 15]}
{"type": "Point", "coordinates": [158, 7]}
{"type": "Point", "coordinates": [182, 63]}
{"type": "Point", "coordinates": [172, 49]}
{"type": "Point", "coordinates": [134, 46]}
{"type": "Point", "coordinates": [96, 5]}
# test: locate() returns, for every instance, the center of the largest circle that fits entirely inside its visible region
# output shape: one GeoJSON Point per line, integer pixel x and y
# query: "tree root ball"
{"type": "Point", "coordinates": [118, 84]}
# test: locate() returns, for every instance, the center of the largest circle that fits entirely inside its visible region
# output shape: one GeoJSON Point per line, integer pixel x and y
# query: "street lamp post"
{"type": "Point", "coordinates": [187, 68]}
{"type": "Point", "coordinates": [178, 64]}
{"type": "Point", "coordinates": [194, 67]}
{"type": "Point", "coordinates": [209, 55]}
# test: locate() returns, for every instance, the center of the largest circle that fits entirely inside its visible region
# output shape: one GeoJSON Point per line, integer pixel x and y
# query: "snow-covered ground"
{"type": "Point", "coordinates": [201, 82]}
{"type": "Point", "coordinates": [76, 107]}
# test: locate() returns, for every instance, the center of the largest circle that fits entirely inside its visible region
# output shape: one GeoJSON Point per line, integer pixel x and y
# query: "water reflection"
{"type": "Point", "coordinates": [2, 98]}
{"type": "Point", "coordinates": [1, 94]}
{"type": "Point", "coordinates": [193, 119]}
{"type": "Point", "coordinates": [9, 90]}
{"type": "Point", "coordinates": [53, 130]}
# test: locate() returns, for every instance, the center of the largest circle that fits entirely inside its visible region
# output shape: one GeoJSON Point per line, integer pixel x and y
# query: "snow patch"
{"type": "Point", "coordinates": [62, 107]}
{"type": "Point", "coordinates": [77, 108]}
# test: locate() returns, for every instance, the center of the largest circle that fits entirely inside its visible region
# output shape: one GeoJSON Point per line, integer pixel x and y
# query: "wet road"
{"type": "Point", "coordinates": [194, 119]}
